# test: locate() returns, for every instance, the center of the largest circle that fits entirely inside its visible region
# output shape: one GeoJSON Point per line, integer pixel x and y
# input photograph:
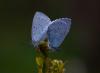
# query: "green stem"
{"type": "Point", "coordinates": [45, 61]}
{"type": "Point", "coordinates": [44, 66]}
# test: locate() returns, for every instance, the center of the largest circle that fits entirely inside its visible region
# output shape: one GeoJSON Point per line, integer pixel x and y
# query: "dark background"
{"type": "Point", "coordinates": [16, 50]}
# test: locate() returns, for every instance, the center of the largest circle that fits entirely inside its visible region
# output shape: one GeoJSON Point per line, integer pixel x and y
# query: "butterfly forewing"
{"type": "Point", "coordinates": [39, 27]}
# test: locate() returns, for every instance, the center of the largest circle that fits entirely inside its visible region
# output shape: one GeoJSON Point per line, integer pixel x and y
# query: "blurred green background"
{"type": "Point", "coordinates": [16, 50]}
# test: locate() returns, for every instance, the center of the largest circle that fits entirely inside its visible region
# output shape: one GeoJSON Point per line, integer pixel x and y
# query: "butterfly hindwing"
{"type": "Point", "coordinates": [57, 31]}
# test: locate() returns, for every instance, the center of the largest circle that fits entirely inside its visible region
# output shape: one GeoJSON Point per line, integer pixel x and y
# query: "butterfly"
{"type": "Point", "coordinates": [54, 31]}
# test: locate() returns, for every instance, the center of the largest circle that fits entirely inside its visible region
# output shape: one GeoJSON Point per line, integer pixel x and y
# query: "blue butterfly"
{"type": "Point", "coordinates": [55, 31]}
{"type": "Point", "coordinates": [39, 27]}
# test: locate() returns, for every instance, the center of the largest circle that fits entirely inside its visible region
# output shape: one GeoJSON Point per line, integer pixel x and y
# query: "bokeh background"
{"type": "Point", "coordinates": [80, 48]}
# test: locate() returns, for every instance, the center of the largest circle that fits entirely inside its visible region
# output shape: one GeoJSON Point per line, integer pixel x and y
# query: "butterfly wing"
{"type": "Point", "coordinates": [39, 27]}
{"type": "Point", "coordinates": [57, 31]}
